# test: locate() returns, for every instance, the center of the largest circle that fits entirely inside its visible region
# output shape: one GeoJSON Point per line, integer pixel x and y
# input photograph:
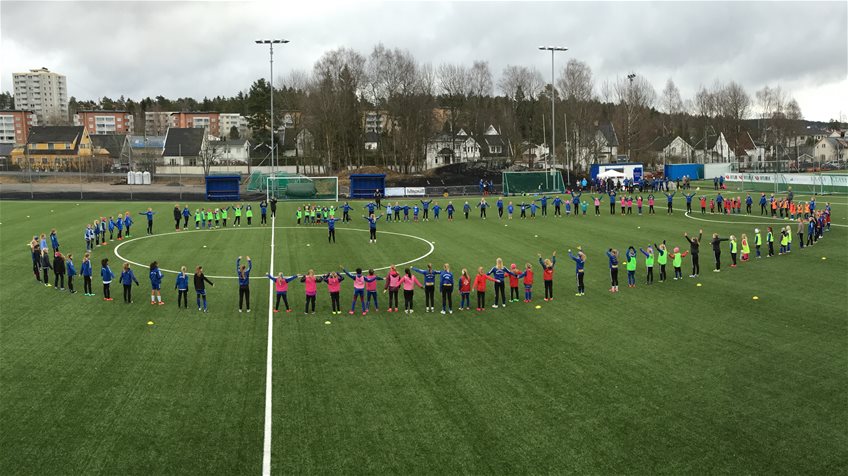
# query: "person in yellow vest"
{"type": "Point", "coordinates": [758, 241]}
{"type": "Point", "coordinates": [677, 262]}
{"type": "Point", "coordinates": [746, 248]}
{"type": "Point", "coordinates": [248, 213]}
{"type": "Point", "coordinates": [237, 213]}
{"type": "Point", "coordinates": [788, 238]}
{"type": "Point", "coordinates": [770, 241]}
{"type": "Point", "coordinates": [662, 259]}
{"type": "Point", "coordinates": [784, 241]}
{"type": "Point", "coordinates": [734, 250]}
{"type": "Point", "coordinates": [649, 263]}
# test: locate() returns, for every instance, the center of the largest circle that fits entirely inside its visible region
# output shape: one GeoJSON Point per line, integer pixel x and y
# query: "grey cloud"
{"type": "Point", "coordinates": [205, 49]}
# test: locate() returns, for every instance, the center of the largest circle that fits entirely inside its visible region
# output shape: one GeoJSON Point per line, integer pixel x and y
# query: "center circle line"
{"type": "Point", "coordinates": [120, 257]}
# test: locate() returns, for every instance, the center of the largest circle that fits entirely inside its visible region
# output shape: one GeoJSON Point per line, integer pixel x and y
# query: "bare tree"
{"type": "Point", "coordinates": [637, 96]}
{"type": "Point", "coordinates": [577, 85]}
{"type": "Point", "coordinates": [480, 79]}
{"type": "Point", "coordinates": [704, 103]}
{"type": "Point", "coordinates": [671, 101]}
{"type": "Point", "coordinates": [772, 104]}
{"type": "Point", "coordinates": [298, 80]}
{"type": "Point", "coordinates": [793, 110]}
{"type": "Point", "coordinates": [528, 81]}
{"type": "Point", "coordinates": [335, 106]}
{"type": "Point", "coordinates": [733, 101]}
{"type": "Point", "coordinates": [210, 154]}
{"type": "Point", "coordinates": [575, 81]}
{"type": "Point", "coordinates": [388, 73]}
{"type": "Point", "coordinates": [454, 87]}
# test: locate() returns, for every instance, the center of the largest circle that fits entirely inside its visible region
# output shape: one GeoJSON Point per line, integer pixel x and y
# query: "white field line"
{"type": "Point", "coordinates": [165, 270]}
{"type": "Point", "coordinates": [773, 221]}
{"type": "Point", "coordinates": [266, 441]}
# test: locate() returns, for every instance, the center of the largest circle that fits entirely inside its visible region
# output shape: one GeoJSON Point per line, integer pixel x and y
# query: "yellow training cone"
{"type": "Point", "coordinates": [327, 322]}
{"type": "Point", "coordinates": [538, 306]}
{"type": "Point", "coordinates": [149, 323]}
{"type": "Point", "coordinates": [824, 257]}
{"type": "Point", "coordinates": [699, 285]}
{"type": "Point", "coordinates": [756, 298]}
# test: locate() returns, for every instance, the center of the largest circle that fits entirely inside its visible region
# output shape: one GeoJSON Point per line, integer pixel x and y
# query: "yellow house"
{"type": "Point", "coordinates": [54, 148]}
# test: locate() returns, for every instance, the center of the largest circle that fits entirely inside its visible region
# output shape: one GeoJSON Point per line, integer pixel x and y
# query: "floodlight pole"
{"type": "Point", "coordinates": [271, 44]}
{"type": "Point", "coordinates": [554, 49]}
{"type": "Point", "coordinates": [631, 77]}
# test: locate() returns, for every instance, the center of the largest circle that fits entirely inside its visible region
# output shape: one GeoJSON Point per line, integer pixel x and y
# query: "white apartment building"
{"type": "Point", "coordinates": [230, 120]}
{"type": "Point", "coordinates": [15, 126]}
{"type": "Point", "coordinates": [156, 123]}
{"type": "Point", "coordinates": [105, 122]}
{"type": "Point", "coordinates": [43, 92]}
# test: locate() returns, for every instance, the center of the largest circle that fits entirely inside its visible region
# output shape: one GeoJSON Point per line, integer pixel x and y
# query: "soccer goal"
{"type": "Point", "coordinates": [521, 183]}
{"type": "Point", "coordinates": [300, 187]}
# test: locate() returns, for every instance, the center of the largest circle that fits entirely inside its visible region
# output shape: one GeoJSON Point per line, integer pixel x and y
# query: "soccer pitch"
{"type": "Point", "coordinates": [667, 378]}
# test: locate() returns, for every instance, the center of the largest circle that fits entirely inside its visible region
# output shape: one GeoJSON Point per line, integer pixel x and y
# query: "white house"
{"type": "Point", "coordinates": [492, 144]}
{"type": "Point", "coordinates": [830, 149]}
{"type": "Point", "coordinates": [717, 150]}
{"type": "Point", "coordinates": [748, 152]}
{"type": "Point", "coordinates": [809, 135]}
{"type": "Point", "coordinates": [602, 148]}
{"type": "Point", "coordinates": [184, 146]}
{"type": "Point", "coordinates": [447, 149]}
{"type": "Point", "coordinates": [234, 150]}
{"type": "Point", "coordinates": [675, 149]}
{"type": "Point", "coordinates": [372, 140]}
{"type": "Point", "coordinates": [535, 152]}
{"type": "Point", "coordinates": [298, 144]}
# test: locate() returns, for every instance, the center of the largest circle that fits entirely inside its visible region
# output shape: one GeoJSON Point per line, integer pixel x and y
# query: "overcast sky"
{"type": "Point", "coordinates": [201, 49]}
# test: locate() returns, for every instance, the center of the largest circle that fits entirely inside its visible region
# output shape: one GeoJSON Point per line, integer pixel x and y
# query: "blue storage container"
{"type": "Point", "coordinates": [223, 187]}
{"type": "Point", "coordinates": [364, 185]}
{"type": "Point", "coordinates": [677, 171]}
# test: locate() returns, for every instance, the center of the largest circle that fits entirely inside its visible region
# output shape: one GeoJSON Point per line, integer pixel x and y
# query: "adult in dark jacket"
{"type": "Point", "coordinates": [200, 281]}
{"type": "Point", "coordinates": [716, 242]}
{"type": "Point", "coordinates": [178, 215]}
{"type": "Point", "coordinates": [694, 248]}
{"type": "Point", "coordinates": [44, 265]}
{"type": "Point", "coordinates": [59, 271]}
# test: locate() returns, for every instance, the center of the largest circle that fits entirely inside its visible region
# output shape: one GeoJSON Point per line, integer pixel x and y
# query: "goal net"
{"type": "Point", "coordinates": [518, 183]}
{"type": "Point", "coordinates": [300, 187]}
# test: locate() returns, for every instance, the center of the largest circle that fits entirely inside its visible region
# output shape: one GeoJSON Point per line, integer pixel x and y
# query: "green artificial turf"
{"type": "Point", "coordinates": [669, 378]}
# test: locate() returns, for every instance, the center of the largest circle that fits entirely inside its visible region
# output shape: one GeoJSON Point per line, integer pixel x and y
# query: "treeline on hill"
{"type": "Point", "coordinates": [420, 100]}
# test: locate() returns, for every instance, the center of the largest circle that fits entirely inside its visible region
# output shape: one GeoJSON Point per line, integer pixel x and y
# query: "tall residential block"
{"type": "Point", "coordinates": [43, 92]}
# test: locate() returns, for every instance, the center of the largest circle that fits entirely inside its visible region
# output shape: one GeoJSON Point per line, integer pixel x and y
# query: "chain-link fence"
{"type": "Point", "coordinates": [93, 185]}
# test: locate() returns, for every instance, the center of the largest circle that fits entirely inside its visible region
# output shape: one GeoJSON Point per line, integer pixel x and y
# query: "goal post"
{"type": "Point", "coordinates": [520, 183]}
{"type": "Point", "coordinates": [300, 187]}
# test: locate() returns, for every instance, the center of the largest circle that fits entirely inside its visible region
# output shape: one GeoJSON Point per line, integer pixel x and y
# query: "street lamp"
{"type": "Point", "coordinates": [271, 44]}
{"type": "Point", "coordinates": [554, 49]}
